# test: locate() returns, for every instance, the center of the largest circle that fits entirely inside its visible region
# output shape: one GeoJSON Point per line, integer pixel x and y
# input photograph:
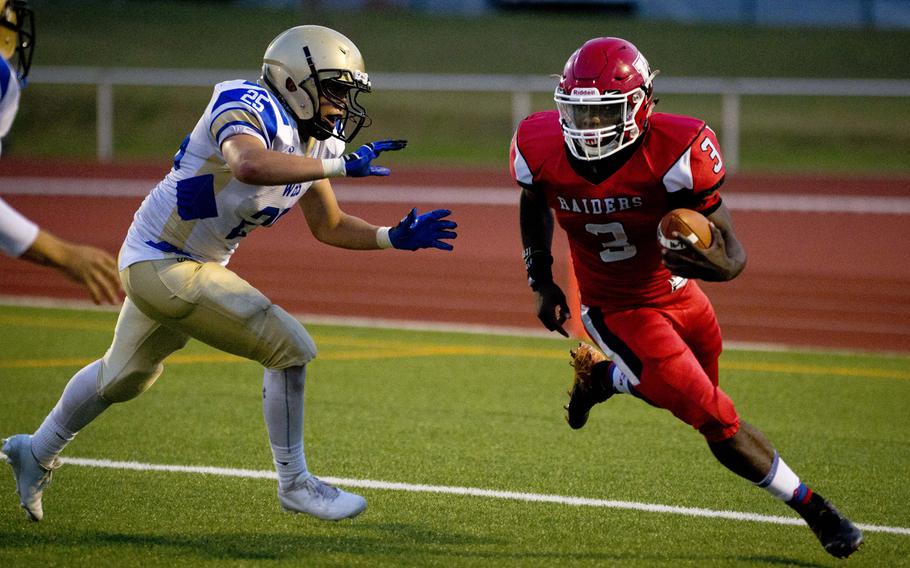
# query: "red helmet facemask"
{"type": "Point", "coordinates": [604, 97]}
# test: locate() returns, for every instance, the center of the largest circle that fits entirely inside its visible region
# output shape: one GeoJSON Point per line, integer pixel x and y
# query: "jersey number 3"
{"type": "Point", "coordinates": [616, 249]}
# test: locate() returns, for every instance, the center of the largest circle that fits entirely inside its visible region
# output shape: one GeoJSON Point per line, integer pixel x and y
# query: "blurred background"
{"type": "Point", "coordinates": [518, 44]}
{"type": "Point", "coordinates": [810, 100]}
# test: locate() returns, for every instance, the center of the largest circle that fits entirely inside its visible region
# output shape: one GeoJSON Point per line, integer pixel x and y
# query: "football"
{"type": "Point", "coordinates": [691, 225]}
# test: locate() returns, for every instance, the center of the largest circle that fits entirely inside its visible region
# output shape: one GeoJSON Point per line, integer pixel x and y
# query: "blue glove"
{"type": "Point", "coordinates": [423, 231]}
{"type": "Point", "coordinates": [357, 164]}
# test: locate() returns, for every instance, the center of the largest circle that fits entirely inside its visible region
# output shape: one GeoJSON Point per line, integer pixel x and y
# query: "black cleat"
{"type": "Point", "coordinates": [838, 536]}
{"type": "Point", "coordinates": [586, 390]}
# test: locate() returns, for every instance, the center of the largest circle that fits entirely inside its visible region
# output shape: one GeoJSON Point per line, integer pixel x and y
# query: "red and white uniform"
{"type": "Point", "coordinates": [659, 329]}
{"type": "Point", "coordinates": [612, 225]}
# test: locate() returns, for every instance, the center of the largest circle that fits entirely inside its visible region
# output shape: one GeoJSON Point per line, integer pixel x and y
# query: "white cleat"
{"type": "Point", "coordinates": [31, 477]}
{"type": "Point", "coordinates": [308, 494]}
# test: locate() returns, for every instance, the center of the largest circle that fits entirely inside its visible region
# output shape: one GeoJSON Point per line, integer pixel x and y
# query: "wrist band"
{"type": "Point", "coordinates": [333, 167]}
{"type": "Point", "coordinates": [382, 237]}
{"type": "Point", "coordinates": [539, 264]}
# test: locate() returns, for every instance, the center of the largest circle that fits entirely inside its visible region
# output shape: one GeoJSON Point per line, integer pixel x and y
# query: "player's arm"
{"type": "Point", "coordinates": [333, 226]}
{"type": "Point", "coordinates": [724, 260]}
{"type": "Point", "coordinates": [253, 163]}
{"type": "Point", "coordinates": [91, 267]}
{"type": "Point", "coordinates": [536, 222]}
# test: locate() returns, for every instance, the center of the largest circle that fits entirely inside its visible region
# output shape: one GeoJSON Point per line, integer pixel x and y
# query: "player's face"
{"type": "Point", "coordinates": [331, 110]}
{"type": "Point", "coordinates": [590, 117]}
{"type": "Point", "coordinates": [338, 108]}
{"type": "Point", "coordinates": [603, 122]}
{"type": "Point", "coordinates": [332, 104]}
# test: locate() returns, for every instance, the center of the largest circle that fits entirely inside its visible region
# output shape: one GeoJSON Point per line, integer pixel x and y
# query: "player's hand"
{"type": "Point", "coordinates": [552, 309]}
{"type": "Point", "coordinates": [711, 264]}
{"type": "Point", "coordinates": [357, 163]}
{"type": "Point", "coordinates": [94, 269]}
{"type": "Point", "coordinates": [423, 231]}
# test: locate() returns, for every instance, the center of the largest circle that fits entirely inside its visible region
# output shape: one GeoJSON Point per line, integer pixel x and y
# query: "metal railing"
{"type": "Point", "coordinates": [521, 87]}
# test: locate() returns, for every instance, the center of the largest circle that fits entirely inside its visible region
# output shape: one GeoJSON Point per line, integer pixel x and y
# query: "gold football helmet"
{"type": "Point", "coordinates": [308, 63]}
{"type": "Point", "coordinates": [17, 34]}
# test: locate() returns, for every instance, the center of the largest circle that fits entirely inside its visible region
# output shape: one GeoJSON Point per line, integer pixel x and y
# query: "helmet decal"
{"type": "Point", "coordinates": [641, 65]}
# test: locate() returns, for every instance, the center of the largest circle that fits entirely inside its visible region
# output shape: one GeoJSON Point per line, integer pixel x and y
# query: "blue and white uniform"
{"type": "Point", "coordinates": [173, 261]}
{"type": "Point", "coordinates": [9, 96]}
{"type": "Point", "coordinates": [17, 233]}
{"type": "Point", "coordinates": [200, 210]}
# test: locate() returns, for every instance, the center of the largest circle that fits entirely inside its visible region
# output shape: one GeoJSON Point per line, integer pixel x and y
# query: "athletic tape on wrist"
{"type": "Point", "coordinates": [382, 237]}
{"type": "Point", "coordinates": [333, 167]}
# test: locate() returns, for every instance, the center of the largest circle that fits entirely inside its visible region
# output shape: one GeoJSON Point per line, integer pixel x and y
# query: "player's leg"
{"type": "Point", "coordinates": [596, 378]}
{"type": "Point", "coordinates": [211, 303]}
{"type": "Point", "coordinates": [129, 367]}
{"type": "Point", "coordinates": [748, 452]}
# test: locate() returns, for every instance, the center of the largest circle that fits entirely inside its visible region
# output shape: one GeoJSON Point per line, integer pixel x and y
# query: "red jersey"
{"type": "Point", "coordinates": [612, 225]}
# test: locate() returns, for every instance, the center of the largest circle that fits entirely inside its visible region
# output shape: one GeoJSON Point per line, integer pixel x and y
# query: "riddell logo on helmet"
{"type": "Point", "coordinates": [585, 91]}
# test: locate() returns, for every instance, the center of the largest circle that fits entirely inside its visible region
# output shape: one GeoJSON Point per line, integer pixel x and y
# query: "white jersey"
{"type": "Point", "coordinates": [17, 233]}
{"type": "Point", "coordinates": [9, 96]}
{"type": "Point", "coordinates": [199, 210]}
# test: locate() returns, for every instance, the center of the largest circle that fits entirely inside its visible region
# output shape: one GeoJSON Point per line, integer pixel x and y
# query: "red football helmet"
{"type": "Point", "coordinates": [604, 97]}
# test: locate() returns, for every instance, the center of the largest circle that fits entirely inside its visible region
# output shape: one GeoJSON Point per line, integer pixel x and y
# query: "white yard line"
{"type": "Point", "coordinates": [475, 492]}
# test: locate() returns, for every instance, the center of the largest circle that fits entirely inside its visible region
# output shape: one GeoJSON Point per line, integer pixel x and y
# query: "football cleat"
{"type": "Point", "coordinates": [586, 390]}
{"type": "Point", "coordinates": [309, 494]}
{"type": "Point", "coordinates": [838, 536]}
{"type": "Point", "coordinates": [31, 477]}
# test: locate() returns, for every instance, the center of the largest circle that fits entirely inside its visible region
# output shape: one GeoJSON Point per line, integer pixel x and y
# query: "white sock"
{"type": "Point", "coordinates": [780, 481]}
{"type": "Point", "coordinates": [618, 379]}
{"type": "Point", "coordinates": [282, 407]}
{"type": "Point", "coordinates": [78, 405]}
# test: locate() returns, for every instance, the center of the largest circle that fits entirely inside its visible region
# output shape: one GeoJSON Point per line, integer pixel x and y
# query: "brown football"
{"type": "Point", "coordinates": [691, 225]}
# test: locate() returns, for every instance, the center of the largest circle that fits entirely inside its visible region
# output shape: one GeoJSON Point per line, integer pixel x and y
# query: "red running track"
{"type": "Point", "coordinates": [825, 279]}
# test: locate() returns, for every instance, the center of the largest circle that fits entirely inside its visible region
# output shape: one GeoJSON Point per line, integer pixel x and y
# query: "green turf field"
{"type": "Point", "coordinates": [454, 410]}
{"type": "Point", "coordinates": [807, 134]}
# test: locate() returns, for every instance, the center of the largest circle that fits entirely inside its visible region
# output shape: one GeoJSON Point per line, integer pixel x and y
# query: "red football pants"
{"type": "Point", "coordinates": [670, 355]}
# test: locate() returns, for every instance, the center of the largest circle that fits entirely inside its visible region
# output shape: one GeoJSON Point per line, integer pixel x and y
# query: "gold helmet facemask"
{"type": "Point", "coordinates": [306, 64]}
{"type": "Point", "coordinates": [17, 35]}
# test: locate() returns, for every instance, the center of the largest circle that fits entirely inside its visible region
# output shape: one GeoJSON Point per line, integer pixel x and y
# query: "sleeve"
{"type": "Point", "coordinates": [518, 167]}
{"type": "Point", "coordinates": [243, 111]}
{"type": "Point", "coordinates": [17, 233]}
{"type": "Point", "coordinates": [693, 180]}
{"type": "Point", "coordinates": [9, 97]}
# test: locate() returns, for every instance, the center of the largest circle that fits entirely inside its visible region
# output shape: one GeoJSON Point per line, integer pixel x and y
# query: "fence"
{"type": "Point", "coordinates": [521, 87]}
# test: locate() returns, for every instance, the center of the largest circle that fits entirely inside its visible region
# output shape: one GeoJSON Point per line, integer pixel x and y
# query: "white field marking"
{"type": "Point", "coordinates": [442, 327]}
{"type": "Point", "coordinates": [474, 492]}
{"type": "Point", "coordinates": [462, 195]}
